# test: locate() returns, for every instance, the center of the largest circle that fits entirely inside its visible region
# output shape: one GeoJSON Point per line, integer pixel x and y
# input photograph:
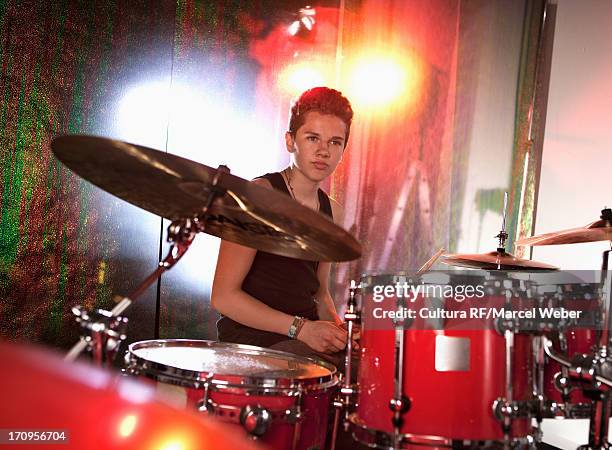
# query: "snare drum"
{"type": "Point", "coordinates": [453, 372]}
{"type": "Point", "coordinates": [277, 397]}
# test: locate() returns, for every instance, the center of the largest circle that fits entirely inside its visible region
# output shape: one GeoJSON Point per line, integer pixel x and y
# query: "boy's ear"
{"type": "Point", "coordinates": [289, 142]}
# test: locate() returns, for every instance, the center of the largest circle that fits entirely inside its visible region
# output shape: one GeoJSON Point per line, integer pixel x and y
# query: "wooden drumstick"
{"type": "Point", "coordinates": [430, 262]}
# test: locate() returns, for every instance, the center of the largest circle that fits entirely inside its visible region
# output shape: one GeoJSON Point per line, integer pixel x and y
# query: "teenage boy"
{"type": "Point", "coordinates": [275, 301]}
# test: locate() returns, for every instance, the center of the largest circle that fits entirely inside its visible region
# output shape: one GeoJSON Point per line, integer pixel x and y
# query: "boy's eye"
{"type": "Point", "coordinates": [312, 138]}
{"type": "Point", "coordinates": [336, 143]}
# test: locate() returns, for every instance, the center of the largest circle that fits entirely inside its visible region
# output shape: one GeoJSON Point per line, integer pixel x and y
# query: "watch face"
{"type": "Point", "coordinates": [294, 327]}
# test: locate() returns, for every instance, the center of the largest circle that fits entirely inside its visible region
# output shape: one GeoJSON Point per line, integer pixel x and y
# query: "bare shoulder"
{"type": "Point", "coordinates": [337, 211]}
{"type": "Point", "coordinates": [262, 182]}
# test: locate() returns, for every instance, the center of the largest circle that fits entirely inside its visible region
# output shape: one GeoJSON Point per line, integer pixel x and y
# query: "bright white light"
{"type": "Point", "coordinates": [295, 79]}
{"type": "Point", "coordinates": [308, 22]}
{"type": "Point", "coordinates": [377, 81]}
{"type": "Point", "coordinates": [197, 126]}
{"type": "Point", "coordinates": [294, 28]}
{"type": "Point", "coordinates": [382, 81]}
{"type": "Point", "coordinates": [206, 130]}
{"type": "Point", "coordinates": [143, 114]}
{"type": "Point", "coordinates": [213, 132]}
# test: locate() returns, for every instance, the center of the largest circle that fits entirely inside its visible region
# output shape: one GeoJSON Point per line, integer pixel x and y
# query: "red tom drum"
{"type": "Point", "coordinates": [453, 370]}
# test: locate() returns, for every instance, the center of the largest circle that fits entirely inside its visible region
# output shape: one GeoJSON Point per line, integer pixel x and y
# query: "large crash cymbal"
{"type": "Point", "coordinates": [497, 260]}
{"type": "Point", "coordinates": [600, 230]}
{"type": "Point", "coordinates": [176, 188]}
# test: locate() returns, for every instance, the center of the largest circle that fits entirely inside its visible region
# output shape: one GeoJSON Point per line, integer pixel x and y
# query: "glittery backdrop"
{"type": "Point", "coordinates": [64, 242]}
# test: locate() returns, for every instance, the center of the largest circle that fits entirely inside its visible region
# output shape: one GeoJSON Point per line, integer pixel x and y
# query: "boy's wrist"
{"type": "Point", "coordinates": [296, 327]}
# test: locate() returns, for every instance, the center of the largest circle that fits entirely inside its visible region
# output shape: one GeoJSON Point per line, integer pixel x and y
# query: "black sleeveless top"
{"type": "Point", "coordinates": [283, 283]}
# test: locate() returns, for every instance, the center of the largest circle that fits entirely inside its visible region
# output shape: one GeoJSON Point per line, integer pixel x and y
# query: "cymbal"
{"type": "Point", "coordinates": [600, 230]}
{"type": "Point", "coordinates": [177, 188]}
{"type": "Point", "coordinates": [497, 260]}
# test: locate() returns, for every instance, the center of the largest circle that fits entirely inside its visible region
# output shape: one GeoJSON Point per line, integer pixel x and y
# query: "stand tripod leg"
{"type": "Point", "coordinates": [598, 424]}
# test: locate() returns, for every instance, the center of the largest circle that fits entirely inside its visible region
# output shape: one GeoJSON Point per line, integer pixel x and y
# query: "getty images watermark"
{"type": "Point", "coordinates": [476, 300]}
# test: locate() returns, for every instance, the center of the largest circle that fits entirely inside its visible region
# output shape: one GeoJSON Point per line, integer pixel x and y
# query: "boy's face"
{"type": "Point", "coordinates": [318, 145]}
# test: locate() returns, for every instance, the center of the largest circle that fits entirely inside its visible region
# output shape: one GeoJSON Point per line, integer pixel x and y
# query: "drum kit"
{"type": "Point", "coordinates": [446, 386]}
{"type": "Point", "coordinates": [489, 385]}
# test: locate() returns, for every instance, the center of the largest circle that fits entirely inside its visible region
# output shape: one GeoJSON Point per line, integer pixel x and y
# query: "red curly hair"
{"type": "Point", "coordinates": [325, 101]}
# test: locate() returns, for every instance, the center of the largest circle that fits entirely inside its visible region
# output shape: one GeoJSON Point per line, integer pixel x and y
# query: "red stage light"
{"type": "Point", "coordinates": [379, 81]}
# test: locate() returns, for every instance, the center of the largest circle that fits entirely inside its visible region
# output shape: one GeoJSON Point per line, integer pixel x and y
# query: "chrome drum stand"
{"type": "Point", "coordinates": [103, 331]}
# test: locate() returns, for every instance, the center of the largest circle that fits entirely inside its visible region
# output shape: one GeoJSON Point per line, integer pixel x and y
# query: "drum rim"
{"type": "Point", "coordinates": [490, 280]}
{"type": "Point", "coordinates": [473, 273]}
{"type": "Point", "coordinates": [197, 379]}
{"type": "Point", "coordinates": [379, 438]}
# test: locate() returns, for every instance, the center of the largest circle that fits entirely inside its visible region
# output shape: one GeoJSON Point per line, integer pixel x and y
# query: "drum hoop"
{"type": "Point", "coordinates": [491, 283]}
{"type": "Point", "coordinates": [380, 439]}
{"type": "Point", "coordinates": [413, 276]}
{"type": "Point", "coordinates": [197, 379]}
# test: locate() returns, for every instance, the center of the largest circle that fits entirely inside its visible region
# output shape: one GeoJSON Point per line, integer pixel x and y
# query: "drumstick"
{"type": "Point", "coordinates": [430, 262]}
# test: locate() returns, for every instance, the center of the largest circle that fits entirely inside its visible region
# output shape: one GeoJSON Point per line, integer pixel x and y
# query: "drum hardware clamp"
{"type": "Point", "coordinates": [103, 332]}
{"type": "Point", "coordinates": [535, 407]}
{"type": "Point", "coordinates": [106, 326]}
{"type": "Point", "coordinates": [594, 370]}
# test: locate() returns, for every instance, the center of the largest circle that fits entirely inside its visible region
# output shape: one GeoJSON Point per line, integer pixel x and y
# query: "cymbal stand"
{"type": "Point", "coordinates": [352, 316]}
{"type": "Point", "coordinates": [503, 235]}
{"type": "Point", "coordinates": [103, 331]}
{"type": "Point", "coordinates": [601, 361]}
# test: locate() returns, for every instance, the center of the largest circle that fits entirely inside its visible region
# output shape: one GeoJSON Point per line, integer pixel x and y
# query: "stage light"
{"type": "Point", "coordinates": [296, 78]}
{"type": "Point", "coordinates": [200, 126]}
{"type": "Point", "coordinates": [142, 114]}
{"type": "Point", "coordinates": [383, 81]}
{"type": "Point", "coordinates": [304, 22]}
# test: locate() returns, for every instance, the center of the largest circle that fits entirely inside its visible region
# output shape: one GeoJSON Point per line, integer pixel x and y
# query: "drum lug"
{"type": "Point", "coordinates": [541, 408]}
{"type": "Point", "coordinates": [255, 420]}
{"type": "Point", "coordinates": [536, 407]}
{"type": "Point", "coordinates": [561, 382]}
{"type": "Point", "coordinates": [293, 415]}
{"type": "Point", "coordinates": [528, 442]}
{"type": "Point", "coordinates": [399, 406]}
{"type": "Point", "coordinates": [205, 406]}
{"type": "Point", "coordinates": [513, 410]}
